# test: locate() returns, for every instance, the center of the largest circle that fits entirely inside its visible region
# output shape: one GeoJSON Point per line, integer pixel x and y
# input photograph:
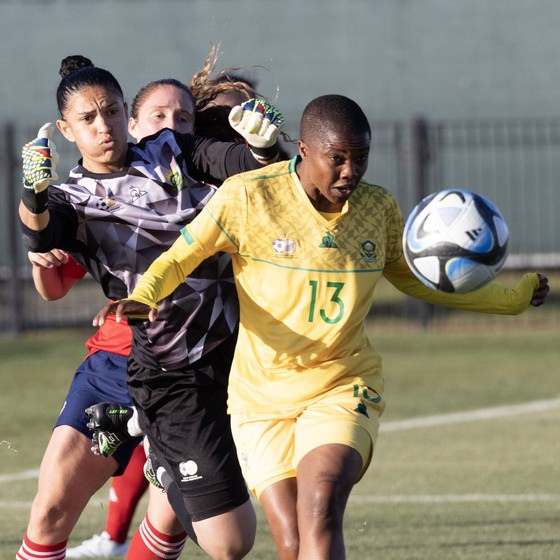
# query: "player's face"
{"type": "Point", "coordinates": [166, 106]}
{"type": "Point", "coordinates": [332, 167]}
{"type": "Point", "coordinates": [95, 119]}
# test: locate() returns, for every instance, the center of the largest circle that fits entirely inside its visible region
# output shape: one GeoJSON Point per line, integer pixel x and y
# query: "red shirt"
{"type": "Point", "coordinates": [112, 336]}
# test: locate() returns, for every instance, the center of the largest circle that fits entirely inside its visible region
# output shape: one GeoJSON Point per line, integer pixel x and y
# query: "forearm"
{"type": "Point", "coordinates": [35, 222]}
{"type": "Point", "coordinates": [163, 276]}
{"type": "Point", "coordinates": [49, 284]}
{"type": "Point", "coordinates": [54, 228]}
{"type": "Point", "coordinates": [492, 298]}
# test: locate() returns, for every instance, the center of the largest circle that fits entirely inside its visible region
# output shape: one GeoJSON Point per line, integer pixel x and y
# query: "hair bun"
{"type": "Point", "coordinates": [73, 63]}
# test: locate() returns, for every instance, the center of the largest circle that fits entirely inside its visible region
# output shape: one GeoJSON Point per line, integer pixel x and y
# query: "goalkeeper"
{"type": "Point", "coordinates": [309, 241]}
{"type": "Point", "coordinates": [120, 208]}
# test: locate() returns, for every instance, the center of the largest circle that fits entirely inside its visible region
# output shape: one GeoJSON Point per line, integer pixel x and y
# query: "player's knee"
{"type": "Point", "coordinates": [236, 535]}
{"type": "Point", "coordinates": [226, 549]}
{"type": "Point", "coordinates": [286, 539]}
{"type": "Point", "coordinates": [323, 508]}
{"type": "Point", "coordinates": [48, 517]}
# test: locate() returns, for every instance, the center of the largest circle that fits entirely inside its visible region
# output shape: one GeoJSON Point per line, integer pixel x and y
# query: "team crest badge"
{"type": "Point", "coordinates": [175, 179]}
{"type": "Point", "coordinates": [368, 251]}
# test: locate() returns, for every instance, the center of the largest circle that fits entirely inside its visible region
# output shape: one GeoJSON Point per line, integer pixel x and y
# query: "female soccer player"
{"type": "Point", "coordinates": [159, 104]}
{"type": "Point", "coordinates": [120, 209]}
{"type": "Point", "coordinates": [309, 242]}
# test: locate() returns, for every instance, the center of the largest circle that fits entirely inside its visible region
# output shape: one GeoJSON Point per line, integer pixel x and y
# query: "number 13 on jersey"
{"type": "Point", "coordinates": [334, 308]}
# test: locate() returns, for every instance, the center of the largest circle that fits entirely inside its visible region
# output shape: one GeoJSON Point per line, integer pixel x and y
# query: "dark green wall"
{"type": "Point", "coordinates": [398, 58]}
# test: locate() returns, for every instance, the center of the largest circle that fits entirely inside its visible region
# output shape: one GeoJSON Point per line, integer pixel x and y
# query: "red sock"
{"type": "Point", "coordinates": [149, 544]}
{"type": "Point", "coordinates": [32, 551]}
{"type": "Point", "coordinates": [124, 495]}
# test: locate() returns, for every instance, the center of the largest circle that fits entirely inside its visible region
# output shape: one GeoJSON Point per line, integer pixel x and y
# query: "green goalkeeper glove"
{"type": "Point", "coordinates": [39, 169]}
{"type": "Point", "coordinates": [260, 124]}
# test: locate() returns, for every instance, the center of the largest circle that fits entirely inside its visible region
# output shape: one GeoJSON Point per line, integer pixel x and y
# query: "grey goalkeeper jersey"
{"type": "Point", "coordinates": [116, 225]}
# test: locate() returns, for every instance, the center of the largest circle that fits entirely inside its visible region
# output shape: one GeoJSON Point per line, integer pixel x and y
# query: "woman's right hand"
{"type": "Point", "coordinates": [52, 259]}
{"type": "Point", "coordinates": [125, 308]}
{"type": "Point", "coordinates": [39, 160]}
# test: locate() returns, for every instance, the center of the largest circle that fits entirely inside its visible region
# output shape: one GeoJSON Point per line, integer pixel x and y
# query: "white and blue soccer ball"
{"type": "Point", "coordinates": [455, 241]}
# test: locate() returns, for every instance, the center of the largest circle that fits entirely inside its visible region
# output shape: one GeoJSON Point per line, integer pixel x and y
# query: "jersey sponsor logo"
{"type": "Point", "coordinates": [189, 470]}
{"type": "Point", "coordinates": [328, 241]}
{"type": "Point", "coordinates": [136, 193]}
{"type": "Point", "coordinates": [284, 246]}
{"type": "Point", "coordinates": [368, 251]}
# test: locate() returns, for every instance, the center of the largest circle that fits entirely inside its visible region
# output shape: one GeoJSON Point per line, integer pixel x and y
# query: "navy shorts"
{"type": "Point", "coordinates": [100, 377]}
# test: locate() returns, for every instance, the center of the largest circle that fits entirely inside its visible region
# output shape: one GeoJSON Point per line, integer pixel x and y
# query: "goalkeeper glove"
{"type": "Point", "coordinates": [39, 169]}
{"type": "Point", "coordinates": [260, 124]}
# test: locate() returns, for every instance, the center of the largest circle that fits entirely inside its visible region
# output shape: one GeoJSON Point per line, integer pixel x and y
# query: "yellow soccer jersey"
{"type": "Point", "coordinates": [305, 285]}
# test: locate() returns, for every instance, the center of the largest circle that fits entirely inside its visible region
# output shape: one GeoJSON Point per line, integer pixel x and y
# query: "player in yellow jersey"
{"type": "Point", "coordinates": [309, 241]}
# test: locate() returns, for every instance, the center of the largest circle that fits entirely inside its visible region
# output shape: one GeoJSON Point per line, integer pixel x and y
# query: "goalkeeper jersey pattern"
{"type": "Point", "coordinates": [305, 285]}
{"type": "Point", "coordinates": [115, 225]}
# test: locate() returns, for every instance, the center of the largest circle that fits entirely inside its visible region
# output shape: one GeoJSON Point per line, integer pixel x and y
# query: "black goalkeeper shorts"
{"type": "Point", "coordinates": [183, 413]}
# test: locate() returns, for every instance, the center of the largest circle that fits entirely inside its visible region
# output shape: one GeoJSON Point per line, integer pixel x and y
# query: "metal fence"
{"type": "Point", "coordinates": [515, 163]}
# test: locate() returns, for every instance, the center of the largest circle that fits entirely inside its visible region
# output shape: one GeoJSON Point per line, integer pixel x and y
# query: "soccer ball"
{"type": "Point", "coordinates": [455, 241]}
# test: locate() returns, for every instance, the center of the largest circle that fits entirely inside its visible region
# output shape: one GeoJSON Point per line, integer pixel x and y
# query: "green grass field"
{"type": "Point", "coordinates": [446, 482]}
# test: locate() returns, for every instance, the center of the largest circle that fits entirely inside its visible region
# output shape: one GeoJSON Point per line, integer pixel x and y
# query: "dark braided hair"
{"type": "Point", "coordinates": [78, 72]}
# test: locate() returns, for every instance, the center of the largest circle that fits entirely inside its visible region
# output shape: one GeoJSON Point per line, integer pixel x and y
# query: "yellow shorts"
{"type": "Point", "coordinates": [270, 447]}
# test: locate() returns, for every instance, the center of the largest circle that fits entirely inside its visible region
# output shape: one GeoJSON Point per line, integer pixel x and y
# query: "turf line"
{"type": "Point", "coordinates": [24, 475]}
{"type": "Point", "coordinates": [455, 498]}
{"type": "Point", "coordinates": [471, 415]}
{"type": "Point", "coordinates": [410, 424]}
{"type": "Point", "coordinates": [412, 499]}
